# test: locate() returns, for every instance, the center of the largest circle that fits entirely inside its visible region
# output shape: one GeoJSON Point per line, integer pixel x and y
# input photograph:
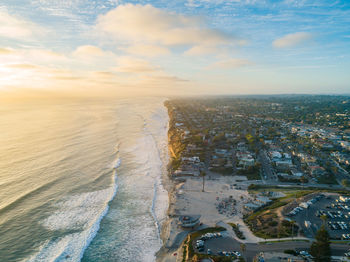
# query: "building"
{"type": "Point", "coordinates": [189, 221]}
{"type": "Point", "coordinates": [344, 199]}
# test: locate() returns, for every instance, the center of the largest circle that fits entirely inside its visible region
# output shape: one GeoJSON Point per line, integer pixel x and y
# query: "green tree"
{"type": "Point", "coordinates": [324, 219]}
{"type": "Point", "coordinates": [320, 249]}
{"type": "Point", "coordinates": [292, 227]}
{"type": "Point", "coordinates": [345, 182]}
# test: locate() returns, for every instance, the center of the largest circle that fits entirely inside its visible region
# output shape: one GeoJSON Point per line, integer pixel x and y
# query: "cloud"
{"type": "Point", "coordinates": [292, 40]}
{"type": "Point", "coordinates": [161, 78]}
{"type": "Point", "coordinates": [134, 65]}
{"type": "Point", "coordinates": [149, 25]}
{"type": "Point", "coordinates": [31, 56]}
{"type": "Point", "coordinates": [44, 55]}
{"type": "Point", "coordinates": [88, 51]}
{"type": "Point", "coordinates": [230, 63]}
{"type": "Point", "coordinates": [18, 28]}
{"type": "Point", "coordinates": [104, 74]}
{"type": "Point", "coordinates": [6, 51]}
{"type": "Point", "coordinates": [201, 50]}
{"type": "Point", "coordinates": [196, 3]}
{"type": "Point", "coordinates": [22, 66]}
{"type": "Point", "coordinates": [147, 50]}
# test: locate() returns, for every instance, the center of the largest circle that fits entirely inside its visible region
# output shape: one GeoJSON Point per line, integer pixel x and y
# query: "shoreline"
{"type": "Point", "coordinates": [168, 184]}
{"type": "Point", "coordinates": [185, 196]}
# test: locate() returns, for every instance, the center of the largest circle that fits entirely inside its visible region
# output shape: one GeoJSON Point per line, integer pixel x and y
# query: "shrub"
{"type": "Point", "coordinates": [273, 223]}
{"type": "Point", "coordinates": [291, 252]}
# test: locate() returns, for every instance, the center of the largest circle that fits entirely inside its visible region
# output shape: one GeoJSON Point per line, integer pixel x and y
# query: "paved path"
{"type": "Point", "coordinates": [251, 238]}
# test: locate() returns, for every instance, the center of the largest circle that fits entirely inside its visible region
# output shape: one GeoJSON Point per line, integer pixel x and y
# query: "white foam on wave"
{"type": "Point", "coordinates": [116, 163]}
{"type": "Point", "coordinates": [156, 155]}
{"type": "Point", "coordinates": [82, 212]}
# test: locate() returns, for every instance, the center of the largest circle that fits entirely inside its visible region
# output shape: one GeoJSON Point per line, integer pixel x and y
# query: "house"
{"type": "Point", "coordinates": [345, 145]}
{"type": "Point", "coordinates": [344, 199]}
{"type": "Point", "coordinates": [263, 200]}
{"type": "Point", "coordinates": [317, 171]}
{"type": "Point", "coordinates": [296, 173]}
{"type": "Point", "coordinates": [246, 162]}
{"type": "Point", "coordinates": [283, 164]}
{"type": "Point", "coordinates": [275, 156]}
{"type": "Point", "coordinates": [194, 159]}
{"type": "Point", "coordinates": [251, 206]}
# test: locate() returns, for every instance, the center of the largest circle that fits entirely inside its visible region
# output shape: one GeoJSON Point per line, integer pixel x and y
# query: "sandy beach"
{"type": "Point", "coordinates": [214, 205]}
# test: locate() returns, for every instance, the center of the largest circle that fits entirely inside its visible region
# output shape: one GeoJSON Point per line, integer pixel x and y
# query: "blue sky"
{"type": "Point", "coordinates": [177, 47]}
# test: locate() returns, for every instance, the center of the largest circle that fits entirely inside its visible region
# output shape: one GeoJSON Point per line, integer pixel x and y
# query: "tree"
{"type": "Point", "coordinates": [203, 176]}
{"type": "Point", "coordinates": [345, 182]}
{"type": "Point", "coordinates": [320, 249]}
{"type": "Point", "coordinates": [324, 219]}
{"type": "Point", "coordinates": [292, 228]}
{"type": "Point", "coordinates": [243, 248]}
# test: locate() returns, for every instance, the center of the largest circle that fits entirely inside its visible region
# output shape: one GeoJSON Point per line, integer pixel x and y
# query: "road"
{"type": "Point", "coordinates": [267, 170]}
{"type": "Point", "coordinates": [284, 184]}
{"type": "Point", "coordinates": [230, 244]}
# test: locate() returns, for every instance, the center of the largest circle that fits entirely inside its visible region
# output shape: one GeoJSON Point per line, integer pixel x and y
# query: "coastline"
{"type": "Point", "coordinates": [169, 185]}
{"type": "Point", "coordinates": [186, 197]}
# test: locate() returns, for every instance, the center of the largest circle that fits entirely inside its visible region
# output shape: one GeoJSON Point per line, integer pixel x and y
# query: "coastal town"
{"type": "Point", "coordinates": [258, 178]}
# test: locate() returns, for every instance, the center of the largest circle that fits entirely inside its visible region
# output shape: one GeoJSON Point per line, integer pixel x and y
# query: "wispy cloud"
{"type": "Point", "coordinates": [14, 27]}
{"type": "Point", "coordinates": [88, 51]}
{"type": "Point", "coordinates": [292, 40]}
{"type": "Point", "coordinates": [134, 65]}
{"type": "Point", "coordinates": [230, 63]}
{"type": "Point", "coordinates": [6, 51]}
{"type": "Point", "coordinates": [147, 50]}
{"type": "Point", "coordinates": [119, 43]}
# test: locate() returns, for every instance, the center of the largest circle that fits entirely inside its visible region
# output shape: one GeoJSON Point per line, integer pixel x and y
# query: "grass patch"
{"type": "Point", "coordinates": [266, 224]}
{"type": "Point", "coordinates": [260, 188]}
{"type": "Point", "coordinates": [252, 173]}
{"type": "Point", "coordinates": [222, 170]}
{"type": "Point", "coordinates": [342, 242]}
{"type": "Point", "coordinates": [327, 179]}
{"type": "Point", "coordinates": [282, 241]}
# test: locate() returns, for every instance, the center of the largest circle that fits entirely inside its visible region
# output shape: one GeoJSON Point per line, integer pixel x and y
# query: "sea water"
{"type": "Point", "coordinates": [82, 180]}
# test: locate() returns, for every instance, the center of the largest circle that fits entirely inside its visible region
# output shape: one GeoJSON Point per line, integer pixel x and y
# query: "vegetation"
{"type": "Point", "coordinates": [252, 172]}
{"type": "Point", "coordinates": [320, 249]}
{"type": "Point", "coordinates": [238, 232]}
{"type": "Point", "coordinates": [189, 252]}
{"type": "Point", "coordinates": [327, 179]}
{"type": "Point", "coordinates": [291, 252]}
{"type": "Point", "coordinates": [345, 182]}
{"type": "Point", "coordinates": [258, 188]}
{"type": "Point", "coordinates": [265, 222]}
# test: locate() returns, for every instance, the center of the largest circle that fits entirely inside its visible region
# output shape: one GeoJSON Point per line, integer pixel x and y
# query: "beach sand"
{"type": "Point", "coordinates": [187, 198]}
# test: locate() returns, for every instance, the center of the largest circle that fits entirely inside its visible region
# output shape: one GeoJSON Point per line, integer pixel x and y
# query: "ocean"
{"type": "Point", "coordinates": [82, 180]}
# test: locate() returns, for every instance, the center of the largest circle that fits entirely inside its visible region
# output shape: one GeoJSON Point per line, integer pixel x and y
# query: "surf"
{"type": "Point", "coordinates": [82, 213]}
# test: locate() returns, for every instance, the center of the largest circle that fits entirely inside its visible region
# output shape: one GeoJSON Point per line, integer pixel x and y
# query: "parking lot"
{"type": "Point", "coordinates": [309, 216]}
{"type": "Point", "coordinates": [223, 245]}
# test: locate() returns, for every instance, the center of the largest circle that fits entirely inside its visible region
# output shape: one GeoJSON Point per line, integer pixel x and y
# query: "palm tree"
{"type": "Point", "coordinates": [203, 176]}
{"type": "Point", "coordinates": [292, 225]}
{"type": "Point", "coordinates": [324, 219]}
{"type": "Point", "coordinates": [243, 247]}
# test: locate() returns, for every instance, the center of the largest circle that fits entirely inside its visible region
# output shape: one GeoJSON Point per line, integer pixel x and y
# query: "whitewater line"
{"type": "Point", "coordinates": [93, 233]}
{"type": "Point", "coordinates": [156, 222]}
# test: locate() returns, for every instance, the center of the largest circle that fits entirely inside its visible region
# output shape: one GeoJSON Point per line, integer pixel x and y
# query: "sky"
{"type": "Point", "coordinates": [187, 47]}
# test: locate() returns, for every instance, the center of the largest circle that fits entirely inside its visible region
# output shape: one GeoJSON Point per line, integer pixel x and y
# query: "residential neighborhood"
{"type": "Point", "coordinates": [265, 171]}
